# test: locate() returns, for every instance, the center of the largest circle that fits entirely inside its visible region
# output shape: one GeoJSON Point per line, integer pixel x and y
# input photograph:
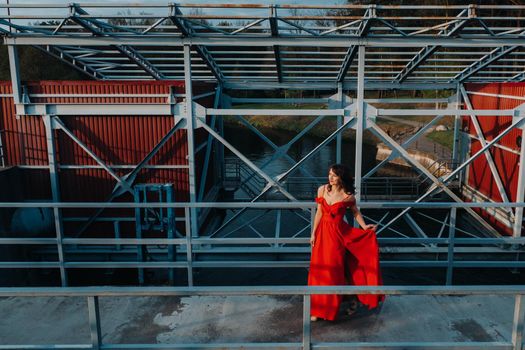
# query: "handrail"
{"type": "Point", "coordinates": [194, 244]}
{"type": "Point", "coordinates": [261, 205]}
{"type": "Point", "coordinates": [93, 294]}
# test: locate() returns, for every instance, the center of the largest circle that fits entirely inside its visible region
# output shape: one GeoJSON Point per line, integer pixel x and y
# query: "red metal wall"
{"type": "Point", "coordinates": [117, 140]}
{"type": "Point", "coordinates": [479, 175]}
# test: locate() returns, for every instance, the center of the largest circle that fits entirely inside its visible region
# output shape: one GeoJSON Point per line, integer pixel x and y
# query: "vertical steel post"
{"type": "Point", "coordinates": [517, 323]}
{"type": "Point", "coordinates": [189, 248]}
{"type": "Point", "coordinates": [116, 229]}
{"type": "Point", "coordinates": [306, 322]}
{"type": "Point", "coordinates": [171, 222]}
{"type": "Point", "coordinates": [138, 232]}
{"type": "Point", "coordinates": [219, 145]}
{"type": "Point", "coordinates": [361, 119]}
{"type": "Point", "coordinates": [451, 240]}
{"type": "Point", "coordinates": [15, 73]}
{"type": "Point", "coordinates": [277, 226]}
{"type": "Point", "coordinates": [339, 139]}
{"type": "Point", "coordinates": [94, 322]}
{"type": "Point", "coordinates": [55, 193]}
{"type": "Point", "coordinates": [520, 192]}
{"type": "Point", "coordinates": [190, 123]}
{"type": "Point", "coordinates": [457, 129]}
{"type": "Point", "coordinates": [210, 145]}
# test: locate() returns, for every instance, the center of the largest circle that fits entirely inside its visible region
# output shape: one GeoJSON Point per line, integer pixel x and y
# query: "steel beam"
{"type": "Point", "coordinates": [452, 31]}
{"type": "Point", "coordinates": [362, 31]}
{"type": "Point", "coordinates": [280, 151]}
{"type": "Point", "coordinates": [516, 123]}
{"type": "Point", "coordinates": [517, 323]}
{"type": "Point", "coordinates": [414, 226]}
{"type": "Point", "coordinates": [271, 182]}
{"type": "Point", "coordinates": [229, 41]}
{"type": "Point", "coordinates": [188, 33]}
{"type": "Point", "coordinates": [60, 54]}
{"type": "Point", "coordinates": [451, 243]}
{"type": "Point", "coordinates": [491, 57]}
{"type": "Point", "coordinates": [517, 78]}
{"type": "Point", "coordinates": [405, 144]}
{"type": "Point", "coordinates": [14, 69]}
{"type": "Point", "coordinates": [488, 155]}
{"type": "Point", "coordinates": [190, 131]}
{"type": "Point", "coordinates": [361, 122]}
{"type": "Point", "coordinates": [125, 182]}
{"type": "Point", "coordinates": [55, 194]}
{"type": "Point", "coordinates": [348, 85]}
{"type": "Point", "coordinates": [520, 191]}
{"type": "Point", "coordinates": [210, 144]}
{"type": "Point", "coordinates": [437, 183]}
{"type": "Point", "coordinates": [133, 55]}
{"type": "Point", "coordinates": [274, 29]}
{"type": "Point", "coordinates": [71, 61]}
{"type": "Point", "coordinates": [340, 104]}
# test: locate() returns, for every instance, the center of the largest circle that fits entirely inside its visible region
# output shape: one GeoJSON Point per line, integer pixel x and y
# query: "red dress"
{"type": "Point", "coordinates": [333, 237]}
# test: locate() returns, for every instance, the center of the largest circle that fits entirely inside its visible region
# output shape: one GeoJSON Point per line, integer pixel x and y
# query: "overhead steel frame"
{"type": "Point", "coordinates": [83, 43]}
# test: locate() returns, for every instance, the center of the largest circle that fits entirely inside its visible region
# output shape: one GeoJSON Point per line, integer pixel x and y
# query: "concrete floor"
{"type": "Point", "coordinates": [252, 319]}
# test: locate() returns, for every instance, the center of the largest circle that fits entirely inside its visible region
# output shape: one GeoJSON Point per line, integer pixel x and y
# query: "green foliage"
{"type": "Point", "coordinates": [444, 138]}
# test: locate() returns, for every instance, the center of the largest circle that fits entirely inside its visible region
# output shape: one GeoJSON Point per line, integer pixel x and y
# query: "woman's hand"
{"type": "Point", "coordinates": [312, 240]}
{"type": "Point", "coordinates": [370, 227]}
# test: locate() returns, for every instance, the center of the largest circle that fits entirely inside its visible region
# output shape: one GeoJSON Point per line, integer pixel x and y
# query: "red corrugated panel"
{"type": "Point", "coordinates": [117, 140]}
{"type": "Point", "coordinates": [492, 126]}
{"type": "Point", "coordinates": [479, 175]}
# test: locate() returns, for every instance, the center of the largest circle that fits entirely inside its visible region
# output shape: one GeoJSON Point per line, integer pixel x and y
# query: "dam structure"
{"type": "Point", "coordinates": [165, 200]}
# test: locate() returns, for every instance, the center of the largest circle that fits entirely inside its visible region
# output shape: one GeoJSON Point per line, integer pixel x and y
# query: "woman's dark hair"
{"type": "Point", "coordinates": [347, 180]}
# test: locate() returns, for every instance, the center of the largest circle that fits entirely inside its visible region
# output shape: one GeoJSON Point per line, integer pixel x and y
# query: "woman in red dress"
{"type": "Point", "coordinates": [332, 237]}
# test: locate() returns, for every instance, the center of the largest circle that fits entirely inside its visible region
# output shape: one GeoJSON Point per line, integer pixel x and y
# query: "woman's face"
{"type": "Point", "coordinates": [333, 179]}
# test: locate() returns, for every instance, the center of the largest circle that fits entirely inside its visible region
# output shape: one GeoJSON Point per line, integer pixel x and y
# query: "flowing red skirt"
{"type": "Point", "coordinates": [330, 260]}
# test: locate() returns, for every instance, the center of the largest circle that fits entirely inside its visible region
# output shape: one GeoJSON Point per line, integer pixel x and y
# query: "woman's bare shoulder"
{"type": "Point", "coordinates": [349, 197]}
{"type": "Point", "coordinates": [321, 190]}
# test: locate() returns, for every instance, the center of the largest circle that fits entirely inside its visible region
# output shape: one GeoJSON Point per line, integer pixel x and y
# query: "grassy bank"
{"type": "Point", "coordinates": [444, 138]}
{"type": "Point", "coordinates": [294, 123]}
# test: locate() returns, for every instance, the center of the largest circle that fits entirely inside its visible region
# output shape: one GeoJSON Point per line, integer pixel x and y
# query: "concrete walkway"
{"type": "Point", "coordinates": [252, 319]}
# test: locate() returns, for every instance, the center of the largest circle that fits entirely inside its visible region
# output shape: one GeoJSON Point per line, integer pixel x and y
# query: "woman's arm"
{"type": "Point", "coordinates": [317, 218]}
{"type": "Point", "coordinates": [360, 220]}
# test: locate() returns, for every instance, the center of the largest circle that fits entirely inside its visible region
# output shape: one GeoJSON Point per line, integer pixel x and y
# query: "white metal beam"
{"type": "Point", "coordinates": [451, 31]}
{"type": "Point", "coordinates": [488, 155]}
{"type": "Point", "coordinates": [363, 30]}
{"type": "Point", "coordinates": [437, 183]}
{"type": "Point", "coordinates": [346, 42]}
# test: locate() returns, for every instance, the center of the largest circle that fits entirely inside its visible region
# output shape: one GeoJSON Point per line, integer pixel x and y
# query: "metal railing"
{"type": "Point", "coordinates": [193, 245]}
{"type": "Point", "coordinates": [93, 295]}
{"type": "Point", "coordinates": [239, 175]}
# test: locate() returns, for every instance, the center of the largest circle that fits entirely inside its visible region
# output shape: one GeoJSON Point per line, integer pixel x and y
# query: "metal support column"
{"type": "Point", "coordinates": [339, 140]}
{"type": "Point", "coordinates": [517, 323]}
{"type": "Point", "coordinates": [94, 322]}
{"type": "Point", "coordinates": [55, 193]}
{"type": "Point", "coordinates": [219, 146]}
{"type": "Point", "coordinates": [360, 120]}
{"type": "Point", "coordinates": [15, 73]}
{"type": "Point", "coordinates": [520, 192]}
{"type": "Point", "coordinates": [451, 241]}
{"type": "Point", "coordinates": [190, 138]}
{"type": "Point", "coordinates": [210, 144]}
{"type": "Point", "coordinates": [457, 128]}
{"type": "Point", "coordinates": [307, 337]}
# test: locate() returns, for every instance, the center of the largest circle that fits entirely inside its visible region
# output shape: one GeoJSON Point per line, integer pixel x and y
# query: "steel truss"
{"type": "Point", "coordinates": [361, 48]}
{"type": "Point", "coordinates": [271, 45]}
